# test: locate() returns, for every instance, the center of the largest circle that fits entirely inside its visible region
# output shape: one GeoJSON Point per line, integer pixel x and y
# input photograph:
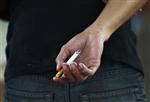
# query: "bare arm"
{"type": "Point", "coordinates": [91, 40]}
{"type": "Point", "coordinates": [115, 14]}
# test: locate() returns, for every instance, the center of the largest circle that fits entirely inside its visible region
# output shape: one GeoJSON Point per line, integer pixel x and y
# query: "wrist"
{"type": "Point", "coordinates": [94, 34]}
{"type": "Point", "coordinates": [99, 32]}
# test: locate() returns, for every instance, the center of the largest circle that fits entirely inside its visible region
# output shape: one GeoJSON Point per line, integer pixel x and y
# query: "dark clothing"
{"type": "Point", "coordinates": [38, 29]}
{"type": "Point", "coordinates": [113, 82]}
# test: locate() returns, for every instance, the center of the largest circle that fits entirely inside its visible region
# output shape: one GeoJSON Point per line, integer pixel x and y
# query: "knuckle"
{"type": "Point", "coordinates": [57, 60]}
{"type": "Point", "coordinates": [63, 47]}
{"type": "Point", "coordinates": [91, 73]}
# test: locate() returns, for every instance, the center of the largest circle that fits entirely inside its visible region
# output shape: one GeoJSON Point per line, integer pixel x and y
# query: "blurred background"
{"type": "Point", "coordinates": [3, 29]}
{"type": "Point", "coordinates": [140, 25]}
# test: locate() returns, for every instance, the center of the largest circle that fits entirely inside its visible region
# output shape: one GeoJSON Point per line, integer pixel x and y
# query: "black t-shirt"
{"type": "Point", "coordinates": [38, 29]}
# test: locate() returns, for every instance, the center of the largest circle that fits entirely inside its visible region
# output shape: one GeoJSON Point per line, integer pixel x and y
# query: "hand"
{"type": "Point", "coordinates": [91, 44]}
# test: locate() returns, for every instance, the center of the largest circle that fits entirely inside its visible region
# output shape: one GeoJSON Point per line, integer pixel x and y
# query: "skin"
{"type": "Point", "coordinates": [91, 40]}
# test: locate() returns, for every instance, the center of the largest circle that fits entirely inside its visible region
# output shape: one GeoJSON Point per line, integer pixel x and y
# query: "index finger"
{"type": "Point", "coordinates": [62, 56]}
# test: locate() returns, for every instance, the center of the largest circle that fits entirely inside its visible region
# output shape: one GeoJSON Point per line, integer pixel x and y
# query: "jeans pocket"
{"type": "Point", "coordinates": [141, 95]}
{"type": "Point", "coordinates": [13, 95]}
{"type": "Point", "coordinates": [119, 95]}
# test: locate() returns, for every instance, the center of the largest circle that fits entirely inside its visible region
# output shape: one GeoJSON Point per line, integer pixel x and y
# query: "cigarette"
{"type": "Point", "coordinates": [71, 60]}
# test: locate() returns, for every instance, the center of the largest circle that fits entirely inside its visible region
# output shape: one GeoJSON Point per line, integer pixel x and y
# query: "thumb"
{"type": "Point", "coordinates": [62, 56]}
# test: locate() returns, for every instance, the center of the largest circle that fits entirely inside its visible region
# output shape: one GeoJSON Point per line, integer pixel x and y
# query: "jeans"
{"type": "Point", "coordinates": [113, 82]}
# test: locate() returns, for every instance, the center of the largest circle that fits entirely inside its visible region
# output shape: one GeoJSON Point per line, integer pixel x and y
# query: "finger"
{"type": "Point", "coordinates": [62, 56]}
{"type": "Point", "coordinates": [76, 73]}
{"type": "Point", "coordinates": [85, 70]}
{"type": "Point", "coordinates": [61, 80]}
{"type": "Point", "coordinates": [67, 72]}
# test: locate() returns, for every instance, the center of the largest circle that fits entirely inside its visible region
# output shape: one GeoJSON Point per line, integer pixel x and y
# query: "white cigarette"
{"type": "Point", "coordinates": [74, 57]}
{"type": "Point", "coordinates": [71, 60]}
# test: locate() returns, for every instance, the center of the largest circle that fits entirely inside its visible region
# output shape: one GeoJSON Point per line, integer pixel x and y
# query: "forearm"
{"type": "Point", "coordinates": [115, 13]}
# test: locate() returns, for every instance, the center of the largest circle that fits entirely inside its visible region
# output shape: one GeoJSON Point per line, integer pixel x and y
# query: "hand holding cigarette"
{"type": "Point", "coordinates": [71, 60]}
{"type": "Point", "coordinates": [79, 68]}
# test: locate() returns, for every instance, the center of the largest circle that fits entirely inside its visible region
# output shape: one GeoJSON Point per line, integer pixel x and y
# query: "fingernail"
{"type": "Point", "coordinates": [54, 78]}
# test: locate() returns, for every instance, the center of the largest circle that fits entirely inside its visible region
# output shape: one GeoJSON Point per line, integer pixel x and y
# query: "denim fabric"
{"type": "Point", "coordinates": [113, 82]}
